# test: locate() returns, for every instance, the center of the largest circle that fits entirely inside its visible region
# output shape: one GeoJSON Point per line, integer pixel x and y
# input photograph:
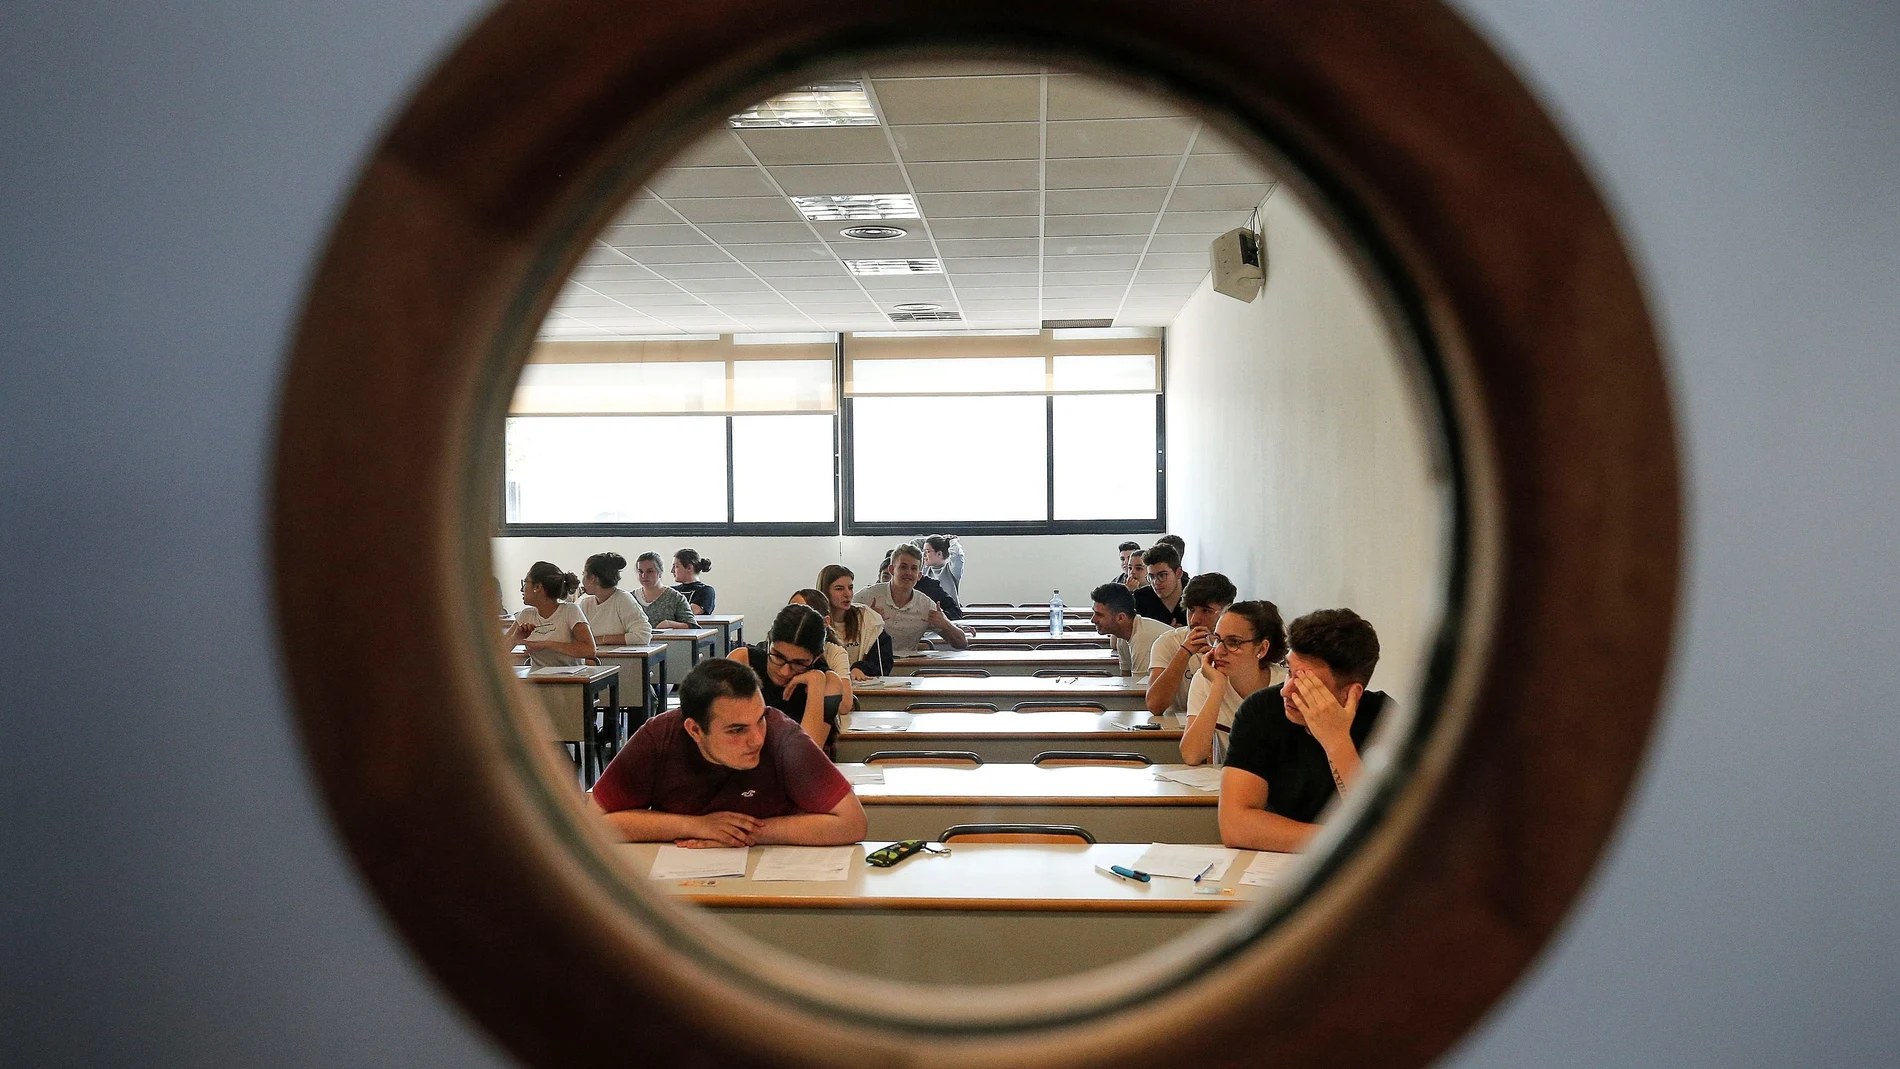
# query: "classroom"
{"type": "Point", "coordinates": [963, 313]}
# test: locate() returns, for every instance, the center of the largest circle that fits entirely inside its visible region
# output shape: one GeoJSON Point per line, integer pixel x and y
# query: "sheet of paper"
{"type": "Point", "coordinates": [1204, 777]}
{"type": "Point", "coordinates": [1185, 862]}
{"type": "Point", "coordinates": [862, 774]}
{"type": "Point", "coordinates": [815, 864]}
{"type": "Point", "coordinates": [866, 684]}
{"type": "Point", "coordinates": [1266, 868]}
{"type": "Point", "coordinates": [871, 722]}
{"type": "Point", "coordinates": [559, 670]}
{"type": "Point", "coordinates": [679, 863]}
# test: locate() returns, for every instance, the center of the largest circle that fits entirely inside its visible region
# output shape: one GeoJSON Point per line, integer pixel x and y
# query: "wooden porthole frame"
{"type": "Point", "coordinates": [1546, 373]}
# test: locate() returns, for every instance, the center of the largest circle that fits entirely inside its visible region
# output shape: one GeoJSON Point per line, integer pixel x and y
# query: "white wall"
{"type": "Point", "coordinates": [756, 576]}
{"type": "Point", "coordinates": [174, 896]}
{"type": "Point", "coordinates": [1295, 452]}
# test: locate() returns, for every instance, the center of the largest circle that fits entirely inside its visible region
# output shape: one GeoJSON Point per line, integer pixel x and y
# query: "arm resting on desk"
{"type": "Point", "coordinates": [1245, 823]}
{"type": "Point", "coordinates": [581, 645]}
{"type": "Point", "coordinates": [711, 829]}
{"type": "Point", "coordinates": [844, 824]}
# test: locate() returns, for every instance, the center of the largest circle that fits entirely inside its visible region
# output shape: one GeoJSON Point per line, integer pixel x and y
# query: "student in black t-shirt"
{"type": "Point", "coordinates": [1296, 746]}
{"type": "Point", "coordinates": [687, 566]}
{"type": "Point", "coordinates": [1161, 599]}
{"type": "Point", "coordinates": [790, 664]}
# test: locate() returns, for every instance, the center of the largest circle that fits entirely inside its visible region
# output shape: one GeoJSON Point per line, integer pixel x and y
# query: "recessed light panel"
{"type": "Point", "coordinates": [895, 267]}
{"type": "Point", "coordinates": [926, 317]}
{"type": "Point", "coordinates": [826, 104]}
{"type": "Point", "coordinates": [858, 206]}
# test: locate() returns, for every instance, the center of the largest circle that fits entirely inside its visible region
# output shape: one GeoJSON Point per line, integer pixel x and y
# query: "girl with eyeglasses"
{"type": "Point", "coordinates": [790, 664]}
{"type": "Point", "coordinates": [836, 660]}
{"type": "Point", "coordinates": [1243, 656]}
{"type": "Point", "coordinates": [550, 627]}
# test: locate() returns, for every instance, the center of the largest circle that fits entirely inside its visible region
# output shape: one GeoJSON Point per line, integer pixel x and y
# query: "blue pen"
{"type": "Point", "coordinates": [1126, 873]}
{"type": "Point", "coordinates": [1205, 871]}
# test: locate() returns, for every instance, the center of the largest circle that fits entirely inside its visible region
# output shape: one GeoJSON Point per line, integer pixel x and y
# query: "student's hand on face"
{"type": "Point", "coordinates": [1325, 717]}
{"type": "Point", "coordinates": [1216, 678]}
{"type": "Point", "coordinates": [1198, 640]}
{"type": "Point", "coordinates": [725, 829]}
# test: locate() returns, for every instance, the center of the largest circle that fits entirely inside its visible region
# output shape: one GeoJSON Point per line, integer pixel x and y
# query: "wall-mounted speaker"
{"type": "Point", "coordinates": [1239, 262]}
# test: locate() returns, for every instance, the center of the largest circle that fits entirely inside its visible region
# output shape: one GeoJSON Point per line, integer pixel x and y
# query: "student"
{"type": "Point", "coordinates": [1127, 550]}
{"type": "Point", "coordinates": [790, 664]}
{"type": "Point", "coordinates": [943, 562]}
{"type": "Point", "coordinates": [836, 660]}
{"type": "Point", "coordinates": [1161, 598]}
{"type": "Point", "coordinates": [666, 609]}
{"type": "Point", "coordinates": [1296, 746]}
{"type": "Point", "coordinates": [1177, 654]}
{"type": "Point", "coordinates": [725, 770]}
{"type": "Point", "coordinates": [1179, 544]}
{"type": "Point", "coordinates": [687, 565]}
{"type": "Point", "coordinates": [858, 627]}
{"type": "Point", "coordinates": [1137, 572]}
{"type": "Point", "coordinates": [1244, 657]}
{"type": "Point", "coordinates": [1132, 637]}
{"type": "Point", "coordinates": [908, 612]}
{"type": "Point", "coordinates": [611, 612]}
{"type": "Point", "coordinates": [550, 626]}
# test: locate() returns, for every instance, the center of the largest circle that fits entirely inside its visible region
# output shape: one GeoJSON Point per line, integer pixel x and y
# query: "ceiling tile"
{"type": "Point", "coordinates": [1006, 227]}
{"type": "Point", "coordinates": [973, 177]}
{"type": "Point", "coordinates": [969, 141]}
{"type": "Point", "coordinates": [647, 210]}
{"type": "Point", "coordinates": [1114, 138]}
{"type": "Point", "coordinates": [1098, 293]}
{"type": "Point", "coordinates": [979, 205]}
{"type": "Point", "coordinates": [601, 256]}
{"type": "Point", "coordinates": [638, 237]}
{"type": "Point", "coordinates": [617, 272]}
{"type": "Point", "coordinates": [1223, 170]}
{"type": "Point", "coordinates": [840, 178]}
{"type": "Point", "coordinates": [911, 248]}
{"type": "Point", "coordinates": [1072, 225]}
{"type": "Point", "coordinates": [959, 100]}
{"type": "Point", "coordinates": [738, 210]}
{"type": "Point", "coordinates": [1175, 260]}
{"type": "Point", "coordinates": [680, 254]}
{"type": "Point", "coordinates": [838, 282]}
{"type": "Point", "coordinates": [826, 268]}
{"type": "Point", "coordinates": [745, 181]}
{"type": "Point", "coordinates": [818, 144]}
{"type": "Point", "coordinates": [1014, 281]}
{"type": "Point", "coordinates": [1196, 243]}
{"type": "Point", "coordinates": [780, 252]}
{"type": "Point", "coordinates": [1208, 223]}
{"type": "Point", "coordinates": [1086, 278]}
{"type": "Point", "coordinates": [988, 246]}
{"type": "Point", "coordinates": [1107, 173]}
{"type": "Point", "coordinates": [1242, 197]}
{"type": "Point", "coordinates": [746, 284]}
{"type": "Point", "coordinates": [1093, 245]}
{"type": "Point", "coordinates": [717, 149]}
{"type": "Point", "coordinates": [1146, 199]}
{"type": "Point", "coordinates": [755, 233]}
{"type": "Point", "coordinates": [992, 264]}
{"type": "Point", "coordinates": [1090, 263]}
{"type": "Point", "coordinates": [1164, 276]}
{"type": "Point", "coordinates": [636, 289]}
{"type": "Point", "coordinates": [1075, 96]}
{"type": "Point", "coordinates": [727, 269]}
{"type": "Point", "coordinates": [1148, 291]}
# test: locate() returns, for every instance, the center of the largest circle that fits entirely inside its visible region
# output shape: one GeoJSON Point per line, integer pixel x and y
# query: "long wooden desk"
{"type": "Point", "coordinates": [988, 913]}
{"type": "Point", "coordinates": [896, 692]}
{"type": "Point", "coordinates": [731, 628]}
{"type": "Point", "coordinates": [1011, 662]}
{"type": "Point", "coordinates": [1026, 613]}
{"type": "Point", "coordinates": [1116, 805]}
{"type": "Point", "coordinates": [1082, 639]}
{"type": "Point", "coordinates": [686, 647]}
{"type": "Point", "coordinates": [1009, 737]}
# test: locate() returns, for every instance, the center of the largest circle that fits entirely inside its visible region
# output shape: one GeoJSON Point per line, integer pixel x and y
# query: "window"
{"type": "Point", "coordinates": [677, 436]}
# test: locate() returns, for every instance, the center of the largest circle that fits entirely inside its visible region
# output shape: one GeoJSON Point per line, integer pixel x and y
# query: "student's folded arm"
{"type": "Point", "coordinates": [1245, 823]}
{"type": "Point", "coordinates": [844, 824]}
{"type": "Point", "coordinates": [653, 826]}
{"type": "Point", "coordinates": [1164, 681]}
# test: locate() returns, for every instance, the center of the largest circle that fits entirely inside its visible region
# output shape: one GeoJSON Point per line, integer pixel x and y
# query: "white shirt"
{"type": "Point", "coordinates": [906, 624]}
{"type": "Point", "coordinates": [557, 628]}
{"type": "Point", "coordinates": [618, 615]}
{"type": "Point", "coordinates": [1162, 655]}
{"type": "Point", "coordinates": [870, 626]}
{"type": "Point", "coordinates": [1134, 651]}
{"type": "Point", "coordinates": [1229, 705]}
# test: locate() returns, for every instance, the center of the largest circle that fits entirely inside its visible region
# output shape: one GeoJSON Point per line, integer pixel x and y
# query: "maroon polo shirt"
{"type": "Point", "coordinates": [661, 768]}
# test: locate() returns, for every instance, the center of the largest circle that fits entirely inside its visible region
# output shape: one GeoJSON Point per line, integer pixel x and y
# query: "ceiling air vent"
{"type": "Point", "coordinates": [926, 317]}
{"type": "Point", "coordinates": [1075, 324]}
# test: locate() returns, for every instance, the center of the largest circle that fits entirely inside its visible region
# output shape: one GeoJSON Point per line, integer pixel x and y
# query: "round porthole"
{"type": "Point", "coordinates": [1533, 343]}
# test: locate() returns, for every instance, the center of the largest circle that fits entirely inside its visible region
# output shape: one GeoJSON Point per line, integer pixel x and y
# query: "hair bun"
{"type": "Point", "coordinates": [615, 560]}
{"type": "Point", "coordinates": [704, 565]}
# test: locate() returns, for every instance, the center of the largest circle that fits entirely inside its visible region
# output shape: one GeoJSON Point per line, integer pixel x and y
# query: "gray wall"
{"type": "Point", "coordinates": [172, 895]}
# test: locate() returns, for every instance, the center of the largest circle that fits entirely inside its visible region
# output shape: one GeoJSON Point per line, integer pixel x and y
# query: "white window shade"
{"type": "Point", "coordinates": [661, 386]}
{"type": "Point", "coordinates": [1105, 457]}
{"type": "Point", "coordinates": [916, 459]}
{"type": "Point", "coordinates": [1092, 374]}
{"type": "Point", "coordinates": [593, 469]}
{"type": "Point", "coordinates": [782, 469]}
{"type": "Point", "coordinates": [782, 386]}
{"type": "Point", "coordinates": [950, 375]}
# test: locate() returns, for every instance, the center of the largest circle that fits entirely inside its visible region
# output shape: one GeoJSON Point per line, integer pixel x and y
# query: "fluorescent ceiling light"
{"type": "Point", "coordinates": [895, 267]}
{"type": "Point", "coordinates": [858, 206]}
{"type": "Point", "coordinates": [825, 104]}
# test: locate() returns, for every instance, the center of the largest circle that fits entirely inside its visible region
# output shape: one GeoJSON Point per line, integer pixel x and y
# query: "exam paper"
{"type": "Point", "coordinates": [679, 863]}
{"type": "Point", "coordinates": [1266, 868]}
{"type": "Point", "coordinates": [1203, 777]}
{"type": "Point", "coordinates": [1185, 862]}
{"type": "Point", "coordinates": [862, 775]}
{"type": "Point", "coordinates": [818, 864]}
{"type": "Point", "coordinates": [559, 670]}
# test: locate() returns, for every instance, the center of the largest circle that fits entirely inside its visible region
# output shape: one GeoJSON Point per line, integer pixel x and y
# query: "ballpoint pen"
{"type": "Point", "coordinates": [1205, 871]}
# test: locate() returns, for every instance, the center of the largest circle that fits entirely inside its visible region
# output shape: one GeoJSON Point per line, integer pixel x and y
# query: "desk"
{"type": "Point", "coordinates": [648, 664]}
{"type": "Point", "coordinates": [1083, 639]}
{"type": "Point", "coordinates": [1011, 662]}
{"type": "Point", "coordinates": [567, 697]}
{"type": "Point", "coordinates": [988, 913]}
{"type": "Point", "coordinates": [731, 628]}
{"type": "Point", "coordinates": [896, 692]}
{"type": "Point", "coordinates": [1116, 805]}
{"type": "Point", "coordinates": [1008, 737]}
{"type": "Point", "coordinates": [686, 647]}
{"type": "Point", "coordinates": [1028, 614]}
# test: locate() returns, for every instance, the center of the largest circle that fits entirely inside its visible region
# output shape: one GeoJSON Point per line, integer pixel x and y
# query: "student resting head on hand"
{"type": "Point", "coordinates": [725, 770]}
{"type": "Point", "coordinates": [1178, 654]}
{"type": "Point", "coordinates": [1244, 654]}
{"type": "Point", "coordinates": [793, 675]}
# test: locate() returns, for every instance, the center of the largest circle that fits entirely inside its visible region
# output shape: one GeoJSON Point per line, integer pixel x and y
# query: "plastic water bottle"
{"type": "Point", "coordinates": [1055, 614]}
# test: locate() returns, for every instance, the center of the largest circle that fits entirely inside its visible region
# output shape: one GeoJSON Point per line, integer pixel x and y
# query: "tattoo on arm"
{"type": "Point", "coordinates": [1338, 780]}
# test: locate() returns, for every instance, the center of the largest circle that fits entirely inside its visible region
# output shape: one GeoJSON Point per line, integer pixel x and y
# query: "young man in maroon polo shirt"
{"type": "Point", "coordinates": [724, 770]}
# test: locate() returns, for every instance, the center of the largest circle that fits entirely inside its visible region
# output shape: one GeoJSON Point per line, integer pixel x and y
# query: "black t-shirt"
{"type": "Point", "coordinates": [1149, 604]}
{"type": "Point", "coordinates": [1286, 755]}
{"type": "Point", "coordinates": [791, 700]}
{"type": "Point", "coordinates": [697, 593]}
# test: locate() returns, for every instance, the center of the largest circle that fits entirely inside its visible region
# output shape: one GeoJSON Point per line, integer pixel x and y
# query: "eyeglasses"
{"type": "Point", "coordinates": [796, 666]}
{"type": "Point", "coordinates": [1234, 645]}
